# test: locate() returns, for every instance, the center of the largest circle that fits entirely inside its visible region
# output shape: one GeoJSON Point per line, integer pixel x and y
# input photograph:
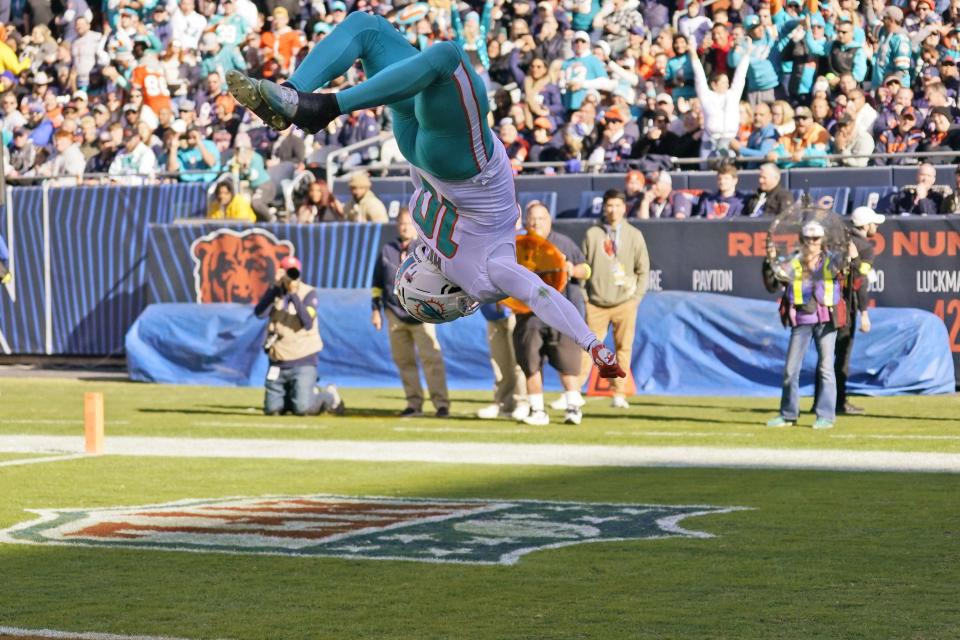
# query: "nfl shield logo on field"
{"type": "Point", "coordinates": [426, 530]}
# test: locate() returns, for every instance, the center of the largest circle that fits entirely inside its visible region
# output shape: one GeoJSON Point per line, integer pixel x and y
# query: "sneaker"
{"type": "Point", "coordinates": [521, 412]}
{"type": "Point", "coordinates": [537, 419]}
{"type": "Point", "coordinates": [574, 415]}
{"type": "Point", "coordinates": [490, 412]}
{"type": "Point", "coordinates": [247, 92]}
{"type": "Point", "coordinates": [338, 408]}
{"type": "Point", "coordinates": [822, 423]}
{"type": "Point", "coordinates": [780, 421]}
{"type": "Point", "coordinates": [560, 404]}
{"type": "Point", "coordinates": [852, 409]}
{"type": "Point", "coordinates": [411, 412]}
{"type": "Point", "coordinates": [619, 402]}
{"type": "Point", "coordinates": [443, 412]}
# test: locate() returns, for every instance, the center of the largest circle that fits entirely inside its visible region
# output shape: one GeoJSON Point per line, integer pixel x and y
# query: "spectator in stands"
{"type": "Point", "coordinates": [894, 52]}
{"type": "Point", "coordinates": [580, 73]}
{"type": "Point", "coordinates": [725, 202]}
{"type": "Point", "coordinates": [720, 101]}
{"type": "Point", "coordinates": [227, 205]}
{"type": "Point", "coordinates": [658, 200]}
{"type": "Point", "coordinates": [293, 345]}
{"type": "Point", "coordinates": [12, 118]}
{"type": "Point", "coordinates": [919, 199]}
{"type": "Point", "coordinates": [944, 136]}
{"type": "Point", "coordinates": [771, 198]}
{"type": "Point", "coordinates": [320, 205]}
{"type": "Point", "coordinates": [135, 163]}
{"type": "Point", "coordinates": [805, 147]}
{"type": "Point", "coordinates": [248, 166]}
{"type": "Point", "coordinates": [67, 164]}
{"type": "Point", "coordinates": [846, 55]}
{"type": "Point", "coordinates": [5, 276]}
{"type": "Point", "coordinates": [535, 343]}
{"type": "Point", "coordinates": [851, 141]}
{"type": "Point", "coordinates": [951, 204]}
{"type": "Point", "coordinates": [614, 145]}
{"type": "Point", "coordinates": [620, 267]}
{"type": "Point", "coordinates": [101, 162]}
{"type": "Point", "coordinates": [542, 95]}
{"type": "Point", "coordinates": [811, 295]}
{"type": "Point", "coordinates": [781, 115]}
{"type": "Point", "coordinates": [409, 338]}
{"type": "Point", "coordinates": [763, 138]}
{"type": "Point", "coordinates": [23, 156]}
{"type": "Point", "coordinates": [196, 155]}
{"type": "Point", "coordinates": [364, 205]}
{"type": "Point", "coordinates": [635, 191]}
{"type": "Point", "coordinates": [905, 137]}
{"type": "Point", "coordinates": [762, 77]}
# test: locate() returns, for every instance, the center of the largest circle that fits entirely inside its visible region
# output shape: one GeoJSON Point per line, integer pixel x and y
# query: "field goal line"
{"type": "Point", "coordinates": [17, 632]}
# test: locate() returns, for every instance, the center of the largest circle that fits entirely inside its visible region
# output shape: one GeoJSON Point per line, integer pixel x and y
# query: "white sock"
{"type": "Point", "coordinates": [536, 402]}
{"type": "Point", "coordinates": [574, 399]}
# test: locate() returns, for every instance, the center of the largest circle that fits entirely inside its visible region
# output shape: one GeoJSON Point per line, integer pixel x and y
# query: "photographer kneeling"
{"type": "Point", "coordinates": [293, 343]}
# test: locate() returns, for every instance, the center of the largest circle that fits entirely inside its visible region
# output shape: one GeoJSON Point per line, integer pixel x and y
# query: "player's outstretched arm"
{"type": "Point", "coordinates": [546, 302]}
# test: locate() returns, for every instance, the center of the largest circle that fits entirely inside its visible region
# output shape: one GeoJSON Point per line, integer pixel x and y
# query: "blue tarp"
{"type": "Point", "coordinates": [686, 344]}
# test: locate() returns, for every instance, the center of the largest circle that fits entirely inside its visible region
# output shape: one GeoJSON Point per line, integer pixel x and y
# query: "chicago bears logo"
{"type": "Point", "coordinates": [236, 266]}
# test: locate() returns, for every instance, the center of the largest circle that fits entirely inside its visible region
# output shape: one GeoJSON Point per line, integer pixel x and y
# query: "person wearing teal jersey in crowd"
{"type": "Point", "coordinates": [472, 34]}
{"type": "Point", "coordinates": [893, 55]}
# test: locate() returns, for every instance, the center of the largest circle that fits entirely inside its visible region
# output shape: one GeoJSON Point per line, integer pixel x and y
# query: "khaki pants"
{"type": "Point", "coordinates": [406, 342]}
{"type": "Point", "coordinates": [510, 383]}
{"type": "Point", "coordinates": [623, 317]}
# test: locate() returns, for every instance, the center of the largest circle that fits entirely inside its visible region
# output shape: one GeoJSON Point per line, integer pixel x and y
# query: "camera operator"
{"type": "Point", "coordinates": [293, 344]}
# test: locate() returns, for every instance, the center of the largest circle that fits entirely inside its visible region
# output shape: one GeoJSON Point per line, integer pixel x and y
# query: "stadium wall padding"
{"type": "Point", "coordinates": [686, 344]}
{"type": "Point", "coordinates": [89, 245]}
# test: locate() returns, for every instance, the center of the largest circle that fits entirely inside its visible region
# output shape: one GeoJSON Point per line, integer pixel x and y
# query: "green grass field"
{"type": "Point", "coordinates": [819, 554]}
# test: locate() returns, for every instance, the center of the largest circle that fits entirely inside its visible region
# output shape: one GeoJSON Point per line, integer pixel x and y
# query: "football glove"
{"type": "Point", "coordinates": [606, 361]}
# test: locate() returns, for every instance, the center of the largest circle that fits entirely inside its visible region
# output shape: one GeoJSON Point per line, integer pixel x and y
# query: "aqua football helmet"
{"type": "Point", "coordinates": [427, 294]}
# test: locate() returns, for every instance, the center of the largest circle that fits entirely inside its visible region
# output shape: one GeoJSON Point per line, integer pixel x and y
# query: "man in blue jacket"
{"type": "Point", "coordinates": [762, 76]}
{"type": "Point", "coordinates": [763, 139]}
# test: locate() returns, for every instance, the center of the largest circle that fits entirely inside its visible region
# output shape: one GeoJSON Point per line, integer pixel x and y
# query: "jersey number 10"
{"type": "Point", "coordinates": [425, 213]}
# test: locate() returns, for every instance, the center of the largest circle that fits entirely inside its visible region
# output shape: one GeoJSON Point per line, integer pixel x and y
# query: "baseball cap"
{"type": "Point", "coordinates": [751, 21]}
{"type": "Point", "coordinates": [942, 111]}
{"type": "Point", "coordinates": [105, 136]}
{"type": "Point", "coordinates": [603, 45]}
{"type": "Point", "coordinates": [101, 108]}
{"type": "Point", "coordinates": [804, 112]}
{"type": "Point", "coordinates": [812, 229]}
{"type": "Point", "coordinates": [80, 94]}
{"type": "Point", "coordinates": [187, 105]}
{"type": "Point", "coordinates": [664, 97]}
{"type": "Point", "coordinates": [543, 4]}
{"type": "Point", "coordinates": [41, 77]}
{"type": "Point", "coordinates": [893, 12]}
{"type": "Point", "coordinates": [614, 113]}
{"type": "Point", "coordinates": [281, 11]}
{"type": "Point", "coordinates": [908, 112]}
{"type": "Point", "coordinates": [289, 263]}
{"type": "Point", "coordinates": [893, 77]}
{"type": "Point", "coordinates": [581, 35]}
{"type": "Point", "coordinates": [862, 216]}
{"type": "Point", "coordinates": [359, 179]}
{"type": "Point", "coordinates": [338, 6]}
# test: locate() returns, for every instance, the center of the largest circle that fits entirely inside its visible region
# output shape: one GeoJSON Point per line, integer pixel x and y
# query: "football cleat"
{"type": "Point", "coordinates": [247, 92]}
{"type": "Point", "coordinates": [574, 415]}
{"type": "Point", "coordinates": [606, 361]}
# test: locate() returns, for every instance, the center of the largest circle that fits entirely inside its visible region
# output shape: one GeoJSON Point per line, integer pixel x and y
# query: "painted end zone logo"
{"type": "Point", "coordinates": [426, 530]}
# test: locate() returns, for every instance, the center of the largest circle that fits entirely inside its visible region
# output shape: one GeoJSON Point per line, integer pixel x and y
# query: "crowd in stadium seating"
{"type": "Point", "coordinates": [136, 88]}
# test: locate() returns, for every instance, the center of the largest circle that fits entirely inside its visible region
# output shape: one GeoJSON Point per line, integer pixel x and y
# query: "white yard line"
{"type": "Point", "coordinates": [53, 422]}
{"type": "Point", "coordinates": [681, 434]}
{"type": "Point", "coordinates": [71, 635]}
{"type": "Point", "coordinates": [14, 463]}
{"type": "Point", "coordinates": [853, 436]}
{"type": "Point", "coordinates": [459, 430]}
{"type": "Point", "coordinates": [574, 455]}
